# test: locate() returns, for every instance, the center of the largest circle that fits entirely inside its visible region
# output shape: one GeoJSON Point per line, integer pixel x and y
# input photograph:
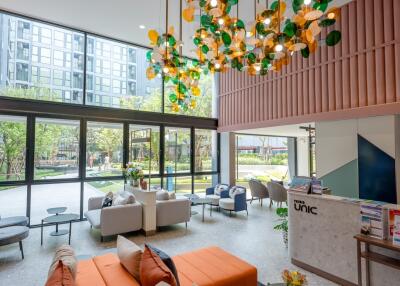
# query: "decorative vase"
{"type": "Point", "coordinates": [285, 238]}
{"type": "Point", "coordinates": [134, 183]}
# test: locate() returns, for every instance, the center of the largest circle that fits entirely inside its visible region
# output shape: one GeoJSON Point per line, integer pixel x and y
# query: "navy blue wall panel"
{"type": "Point", "coordinates": [376, 173]}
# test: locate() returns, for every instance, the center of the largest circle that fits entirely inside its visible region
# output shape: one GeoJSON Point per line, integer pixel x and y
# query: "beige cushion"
{"type": "Point", "coordinates": [129, 255]}
{"type": "Point", "coordinates": [66, 254]}
{"type": "Point", "coordinates": [215, 199]}
{"type": "Point", "coordinates": [123, 198]}
{"type": "Point", "coordinates": [227, 203]}
{"type": "Point", "coordinates": [162, 196]}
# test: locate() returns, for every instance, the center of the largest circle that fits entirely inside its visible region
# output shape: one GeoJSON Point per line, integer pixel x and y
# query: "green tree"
{"type": "Point", "coordinates": [40, 93]}
{"type": "Point", "coordinates": [12, 149]}
{"type": "Point", "coordinates": [108, 140]}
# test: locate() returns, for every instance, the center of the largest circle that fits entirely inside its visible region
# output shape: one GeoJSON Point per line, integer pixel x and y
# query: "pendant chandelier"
{"type": "Point", "coordinates": [166, 60]}
{"type": "Point", "coordinates": [265, 44]}
{"type": "Point", "coordinates": [223, 41]}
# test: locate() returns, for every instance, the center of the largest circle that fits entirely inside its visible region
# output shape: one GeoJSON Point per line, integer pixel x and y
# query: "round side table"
{"type": "Point", "coordinates": [57, 211]}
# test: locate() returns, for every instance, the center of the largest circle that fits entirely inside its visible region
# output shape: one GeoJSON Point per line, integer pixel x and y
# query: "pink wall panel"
{"type": "Point", "coordinates": [360, 76]}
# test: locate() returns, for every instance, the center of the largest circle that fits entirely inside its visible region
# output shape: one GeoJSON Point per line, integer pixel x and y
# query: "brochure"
{"type": "Point", "coordinates": [396, 230]}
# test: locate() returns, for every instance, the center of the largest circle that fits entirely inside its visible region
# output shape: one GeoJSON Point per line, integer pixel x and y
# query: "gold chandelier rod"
{"type": "Point", "coordinates": [279, 16]}
{"type": "Point", "coordinates": [166, 29]}
{"type": "Point", "coordinates": [180, 28]}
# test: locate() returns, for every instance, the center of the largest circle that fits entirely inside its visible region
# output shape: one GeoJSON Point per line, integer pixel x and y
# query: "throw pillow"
{"type": "Point", "coordinates": [124, 198]}
{"type": "Point", "coordinates": [153, 270]}
{"type": "Point", "coordinates": [167, 261]}
{"type": "Point", "coordinates": [107, 200]}
{"type": "Point", "coordinates": [232, 192]}
{"type": "Point", "coordinates": [162, 196]}
{"type": "Point", "coordinates": [129, 255]}
{"type": "Point", "coordinates": [61, 276]}
{"type": "Point", "coordinates": [219, 188]}
{"type": "Point", "coordinates": [66, 255]}
{"type": "Point", "coordinates": [172, 196]}
{"type": "Point", "coordinates": [235, 191]}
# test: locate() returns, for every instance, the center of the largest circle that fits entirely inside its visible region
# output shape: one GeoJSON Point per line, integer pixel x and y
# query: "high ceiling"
{"type": "Point", "coordinates": [120, 19]}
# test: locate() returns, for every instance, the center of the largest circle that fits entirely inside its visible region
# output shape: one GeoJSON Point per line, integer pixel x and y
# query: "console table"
{"type": "Point", "coordinates": [369, 255]}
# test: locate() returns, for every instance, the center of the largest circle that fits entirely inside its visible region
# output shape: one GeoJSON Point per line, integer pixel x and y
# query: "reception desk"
{"type": "Point", "coordinates": [321, 239]}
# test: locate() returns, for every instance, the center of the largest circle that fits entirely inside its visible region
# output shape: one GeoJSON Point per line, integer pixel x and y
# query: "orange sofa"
{"type": "Point", "coordinates": [204, 267]}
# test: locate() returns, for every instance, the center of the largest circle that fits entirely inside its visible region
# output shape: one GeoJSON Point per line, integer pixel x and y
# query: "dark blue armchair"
{"type": "Point", "coordinates": [234, 201]}
{"type": "Point", "coordinates": [210, 193]}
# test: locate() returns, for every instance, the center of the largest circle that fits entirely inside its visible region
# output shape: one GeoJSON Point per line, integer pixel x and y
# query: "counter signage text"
{"type": "Point", "coordinates": [301, 206]}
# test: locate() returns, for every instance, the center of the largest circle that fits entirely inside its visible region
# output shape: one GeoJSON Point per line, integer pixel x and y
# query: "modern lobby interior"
{"type": "Point", "coordinates": [199, 142]}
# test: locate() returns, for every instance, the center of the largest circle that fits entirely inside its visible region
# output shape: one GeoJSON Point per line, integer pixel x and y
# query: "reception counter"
{"type": "Point", "coordinates": [321, 239]}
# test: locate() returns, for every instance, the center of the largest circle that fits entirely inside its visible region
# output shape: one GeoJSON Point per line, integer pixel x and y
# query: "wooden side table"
{"type": "Point", "coordinates": [369, 255]}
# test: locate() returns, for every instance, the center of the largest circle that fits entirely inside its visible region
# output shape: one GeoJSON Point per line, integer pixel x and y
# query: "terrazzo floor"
{"type": "Point", "coordinates": [252, 238]}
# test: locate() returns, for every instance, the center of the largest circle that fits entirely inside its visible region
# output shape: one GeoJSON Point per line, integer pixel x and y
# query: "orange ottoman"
{"type": "Point", "coordinates": [214, 266]}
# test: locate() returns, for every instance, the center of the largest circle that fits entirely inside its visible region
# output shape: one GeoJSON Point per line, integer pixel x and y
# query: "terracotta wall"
{"type": "Point", "coordinates": [358, 77]}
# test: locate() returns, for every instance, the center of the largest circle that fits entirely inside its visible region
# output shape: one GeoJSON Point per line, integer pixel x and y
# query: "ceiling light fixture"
{"type": "Point", "coordinates": [278, 48]}
{"type": "Point", "coordinates": [142, 27]}
{"type": "Point", "coordinates": [214, 3]}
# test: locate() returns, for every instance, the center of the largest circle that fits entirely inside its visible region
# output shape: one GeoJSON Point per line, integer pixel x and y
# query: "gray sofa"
{"type": "Point", "coordinates": [172, 211]}
{"type": "Point", "coordinates": [115, 219]}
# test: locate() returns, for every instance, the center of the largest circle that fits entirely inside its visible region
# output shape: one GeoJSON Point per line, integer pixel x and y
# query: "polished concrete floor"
{"type": "Point", "coordinates": [252, 238]}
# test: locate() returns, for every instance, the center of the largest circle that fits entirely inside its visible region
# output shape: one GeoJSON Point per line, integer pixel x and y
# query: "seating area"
{"type": "Point", "coordinates": [199, 142]}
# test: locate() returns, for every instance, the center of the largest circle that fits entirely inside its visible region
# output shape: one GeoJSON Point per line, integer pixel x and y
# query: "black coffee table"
{"type": "Point", "coordinates": [57, 219]}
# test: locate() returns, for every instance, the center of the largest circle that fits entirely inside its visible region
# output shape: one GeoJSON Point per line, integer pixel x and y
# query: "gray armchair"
{"type": "Point", "coordinates": [258, 191]}
{"type": "Point", "coordinates": [277, 193]}
{"type": "Point", "coordinates": [172, 211]}
{"type": "Point", "coordinates": [115, 219]}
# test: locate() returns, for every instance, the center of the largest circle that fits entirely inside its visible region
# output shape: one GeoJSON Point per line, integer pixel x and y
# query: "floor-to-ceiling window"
{"type": "Point", "coordinates": [206, 159]}
{"type": "Point", "coordinates": [261, 157]}
{"type": "Point", "coordinates": [84, 108]}
{"type": "Point", "coordinates": [104, 152]}
{"type": "Point", "coordinates": [56, 148]}
{"type": "Point", "coordinates": [12, 164]}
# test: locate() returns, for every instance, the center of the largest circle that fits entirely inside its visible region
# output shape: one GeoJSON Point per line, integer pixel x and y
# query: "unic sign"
{"type": "Point", "coordinates": [301, 206]}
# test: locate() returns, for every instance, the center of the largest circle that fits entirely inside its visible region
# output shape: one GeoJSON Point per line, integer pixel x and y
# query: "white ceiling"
{"type": "Point", "coordinates": [119, 19]}
{"type": "Point", "coordinates": [285, 130]}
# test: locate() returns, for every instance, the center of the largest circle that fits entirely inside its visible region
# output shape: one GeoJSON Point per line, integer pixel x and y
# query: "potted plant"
{"type": "Point", "coordinates": [133, 173]}
{"type": "Point", "coordinates": [293, 278]}
{"type": "Point", "coordinates": [283, 223]}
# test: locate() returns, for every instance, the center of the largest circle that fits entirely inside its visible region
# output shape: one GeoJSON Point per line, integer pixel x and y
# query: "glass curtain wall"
{"type": "Point", "coordinates": [56, 149]}
{"type": "Point", "coordinates": [70, 159]}
{"type": "Point", "coordinates": [261, 157]}
{"type": "Point", "coordinates": [49, 160]}
{"type": "Point", "coordinates": [104, 151]}
{"type": "Point", "coordinates": [12, 165]}
{"type": "Point", "coordinates": [47, 62]}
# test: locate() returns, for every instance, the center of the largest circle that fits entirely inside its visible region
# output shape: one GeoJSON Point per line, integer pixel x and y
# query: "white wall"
{"type": "Point", "coordinates": [336, 145]}
{"type": "Point", "coordinates": [303, 156]}
{"type": "Point", "coordinates": [336, 141]}
{"type": "Point", "coordinates": [228, 158]}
